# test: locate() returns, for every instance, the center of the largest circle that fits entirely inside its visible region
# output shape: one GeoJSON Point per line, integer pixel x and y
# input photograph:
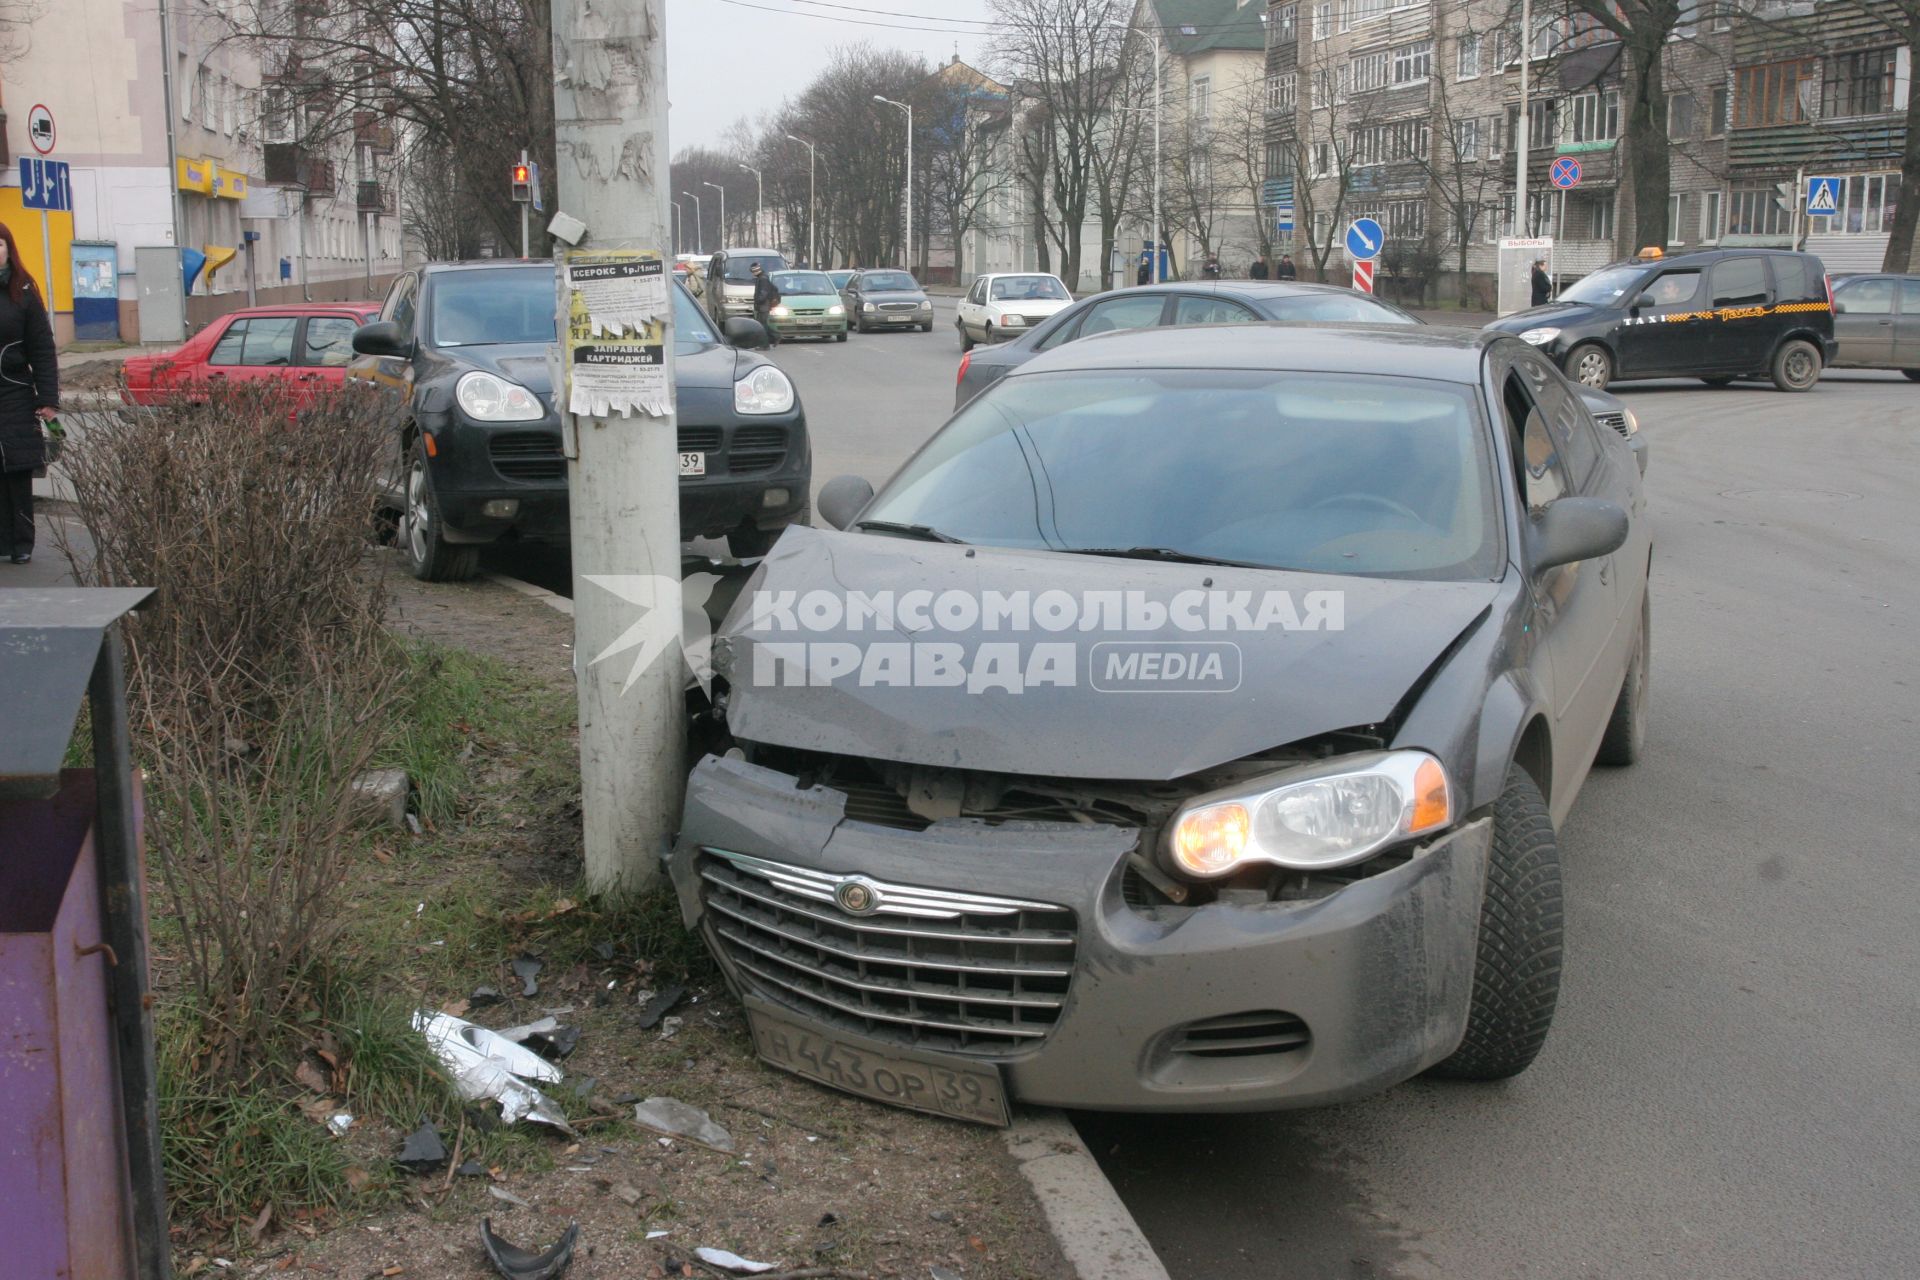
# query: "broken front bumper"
{"type": "Point", "coordinates": [1016, 946]}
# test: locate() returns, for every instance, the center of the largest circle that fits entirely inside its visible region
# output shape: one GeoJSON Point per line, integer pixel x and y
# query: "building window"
{"type": "Point", "coordinates": [1380, 143]}
{"type": "Point", "coordinates": [1773, 94]}
{"type": "Point", "coordinates": [1596, 116]}
{"type": "Point", "coordinates": [1866, 205]}
{"type": "Point", "coordinates": [1413, 63]}
{"type": "Point", "coordinates": [1857, 84]}
{"type": "Point", "coordinates": [1405, 220]}
{"type": "Point", "coordinates": [1322, 159]}
{"type": "Point", "coordinates": [1676, 219]}
{"type": "Point", "coordinates": [1322, 19]}
{"type": "Point", "coordinates": [1370, 72]}
{"type": "Point", "coordinates": [1717, 116]}
{"type": "Point", "coordinates": [1752, 211]}
{"type": "Point", "coordinates": [1284, 19]}
{"type": "Point", "coordinates": [1281, 91]}
{"type": "Point", "coordinates": [1280, 160]}
{"type": "Point", "coordinates": [203, 94]}
{"type": "Point", "coordinates": [1710, 217]}
{"type": "Point", "coordinates": [1543, 119]}
{"type": "Point", "coordinates": [1542, 206]}
{"type": "Point", "coordinates": [1322, 88]}
{"type": "Point", "coordinates": [1682, 116]}
{"type": "Point", "coordinates": [1322, 228]}
{"type": "Point", "coordinates": [1466, 139]}
{"type": "Point", "coordinates": [1469, 51]}
{"type": "Point", "coordinates": [229, 105]}
{"type": "Point", "coordinates": [1202, 98]}
{"type": "Point", "coordinates": [1600, 212]}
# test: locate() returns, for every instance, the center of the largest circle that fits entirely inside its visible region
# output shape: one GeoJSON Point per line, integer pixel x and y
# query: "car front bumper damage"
{"type": "Point", "coordinates": [1228, 1006]}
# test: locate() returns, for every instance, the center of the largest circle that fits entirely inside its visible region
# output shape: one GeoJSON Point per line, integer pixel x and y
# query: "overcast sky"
{"type": "Point", "coordinates": [728, 60]}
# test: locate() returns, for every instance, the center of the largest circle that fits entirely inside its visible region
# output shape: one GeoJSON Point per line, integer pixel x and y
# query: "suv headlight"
{"type": "Point", "coordinates": [1319, 816]}
{"type": "Point", "coordinates": [782, 310]}
{"type": "Point", "coordinates": [486, 398]}
{"type": "Point", "coordinates": [765, 390]}
{"type": "Point", "coordinates": [836, 310]}
{"type": "Point", "coordinates": [1539, 337]}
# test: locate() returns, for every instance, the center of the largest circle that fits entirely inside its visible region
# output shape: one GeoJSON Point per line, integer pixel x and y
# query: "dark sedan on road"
{"type": "Point", "coordinates": [887, 300]}
{"type": "Point", "coordinates": [1150, 306]}
{"type": "Point", "coordinates": [463, 349]}
{"type": "Point", "coordinates": [1186, 726]}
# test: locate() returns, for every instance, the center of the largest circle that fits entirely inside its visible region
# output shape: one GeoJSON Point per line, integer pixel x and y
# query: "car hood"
{"type": "Point", "coordinates": [696, 365]}
{"type": "Point", "coordinates": [1552, 313]}
{"type": "Point", "coordinates": [1291, 684]}
{"type": "Point", "coordinates": [810, 299]}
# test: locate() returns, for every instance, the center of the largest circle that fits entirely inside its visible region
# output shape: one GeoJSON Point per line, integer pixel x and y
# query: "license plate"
{"type": "Point", "coordinates": [958, 1090]}
{"type": "Point", "coordinates": [693, 464]}
{"type": "Point", "coordinates": [902, 319]}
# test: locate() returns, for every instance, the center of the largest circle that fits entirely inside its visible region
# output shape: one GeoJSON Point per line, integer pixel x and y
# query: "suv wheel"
{"type": "Point", "coordinates": [429, 556]}
{"type": "Point", "coordinates": [1516, 972]}
{"type": "Point", "coordinates": [1796, 365]}
{"type": "Point", "coordinates": [1589, 365]}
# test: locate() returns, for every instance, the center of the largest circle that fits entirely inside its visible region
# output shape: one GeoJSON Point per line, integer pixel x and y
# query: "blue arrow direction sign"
{"type": "Point", "coordinates": [1565, 172]}
{"type": "Point", "coordinates": [1364, 239]}
{"type": "Point", "coordinates": [45, 184]}
{"type": "Point", "coordinates": [1823, 197]}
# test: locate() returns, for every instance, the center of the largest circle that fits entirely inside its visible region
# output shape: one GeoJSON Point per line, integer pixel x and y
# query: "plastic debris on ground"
{"type": "Point", "coordinates": [731, 1262]}
{"type": "Point", "coordinates": [424, 1152]}
{"type": "Point", "coordinates": [501, 1193]}
{"type": "Point", "coordinates": [516, 1263]}
{"type": "Point", "coordinates": [658, 1006]}
{"type": "Point", "coordinates": [486, 1065]}
{"type": "Point", "coordinates": [527, 968]}
{"type": "Point", "coordinates": [678, 1120]}
{"type": "Point", "coordinates": [339, 1122]}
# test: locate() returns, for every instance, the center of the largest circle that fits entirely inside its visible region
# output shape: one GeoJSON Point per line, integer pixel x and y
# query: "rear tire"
{"type": "Point", "coordinates": [966, 339]}
{"type": "Point", "coordinates": [1589, 365]}
{"type": "Point", "coordinates": [1626, 735]}
{"type": "Point", "coordinates": [1796, 365]}
{"type": "Point", "coordinates": [1516, 971]}
{"type": "Point", "coordinates": [429, 556]}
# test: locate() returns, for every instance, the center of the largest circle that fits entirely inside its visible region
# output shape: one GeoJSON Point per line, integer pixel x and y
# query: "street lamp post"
{"type": "Point", "coordinates": [811, 211]}
{"type": "Point", "coordinates": [908, 108]}
{"type": "Point", "coordinates": [699, 232]}
{"type": "Point", "coordinates": [759, 203]}
{"type": "Point", "coordinates": [679, 224]}
{"type": "Point", "coordinates": [723, 210]}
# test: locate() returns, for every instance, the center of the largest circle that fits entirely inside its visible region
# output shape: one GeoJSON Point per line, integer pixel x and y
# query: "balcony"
{"type": "Point", "coordinates": [374, 197]}
{"type": "Point", "coordinates": [288, 164]}
{"type": "Point", "coordinates": [370, 130]}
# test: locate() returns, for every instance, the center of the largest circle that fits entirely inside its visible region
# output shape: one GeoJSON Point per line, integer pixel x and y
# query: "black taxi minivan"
{"type": "Point", "coordinates": [1716, 315]}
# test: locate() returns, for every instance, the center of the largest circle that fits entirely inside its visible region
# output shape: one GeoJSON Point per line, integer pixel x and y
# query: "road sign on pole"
{"type": "Point", "coordinates": [40, 129]}
{"type": "Point", "coordinates": [1283, 219]}
{"type": "Point", "coordinates": [1363, 274]}
{"type": "Point", "coordinates": [1364, 240]}
{"type": "Point", "coordinates": [1565, 172]}
{"type": "Point", "coordinates": [45, 184]}
{"type": "Point", "coordinates": [1823, 197]}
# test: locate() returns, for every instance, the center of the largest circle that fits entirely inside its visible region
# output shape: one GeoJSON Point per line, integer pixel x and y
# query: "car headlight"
{"type": "Point", "coordinates": [1633, 423]}
{"type": "Point", "coordinates": [869, 307]}
{"type": "Point", "coordinates": [836, 310]}
{"type": "Point", "coordinates": [926, 304]}
{"type": "Point", "coordinates": [1539, 337]}
{"type": "Point", "coordinates": [782, 311]}
{"type": "Point", "coordinates": [1012, 321]}
{"type": "Point", "coordinates": [765, 390]}
{"type": "Point", "coordinates": [1325, 815]}
{"type": "Point", "coordinates": [486, 398]}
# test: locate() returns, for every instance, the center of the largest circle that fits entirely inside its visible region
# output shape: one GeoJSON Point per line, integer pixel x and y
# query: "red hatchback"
{"type": "Point", "coordinates": [306, 346]}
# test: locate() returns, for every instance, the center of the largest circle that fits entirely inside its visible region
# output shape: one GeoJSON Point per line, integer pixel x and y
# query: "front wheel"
{"type": "Point", "coordinates": [1796, 366]}
{"type": "Point", "coordinates": [966, 339]}
{"type": "Point", "coordinates": [429, 556]}
{"type": "Point", "coordinates": [841, 336]}
{"type": "Point", "coordinates": [927, 327]}
{"type": "Point", "coordinates": [1589, 365]}
{"type": "Point", "coordinates": [1626, 735]}
{"type": "Point", "coordinates": [1516, 972]}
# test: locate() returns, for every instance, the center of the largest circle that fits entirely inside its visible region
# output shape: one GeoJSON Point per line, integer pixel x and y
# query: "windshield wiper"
{"type": "Point", "coordinates": [1168, 554]}
{"type": "Point", "coordinates": [926, 533]}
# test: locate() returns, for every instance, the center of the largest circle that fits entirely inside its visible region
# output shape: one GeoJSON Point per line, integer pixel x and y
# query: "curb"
{"type": "Point", "coordinates": [1099, 1237]}
{"type": "Point", "coordinates": [554, 601]}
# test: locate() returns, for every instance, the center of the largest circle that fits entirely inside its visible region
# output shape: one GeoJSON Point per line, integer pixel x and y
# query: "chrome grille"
{"type": "Point", "coordinates": [527, 455]}
{"type": "Point", "coordinates": [1612, 418]}
{"type": "Point", "coordinates": [899, 306]}
{"type": "Point", "coordinates": [756, 449]}
{"type": "Point", "coordinates": [956, 972]}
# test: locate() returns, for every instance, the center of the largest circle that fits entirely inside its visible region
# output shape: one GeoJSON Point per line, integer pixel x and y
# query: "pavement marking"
{"type": "Point", "coordinates": [1099, 1237]}
{"type": "Point", "coordinates": [558, 603]}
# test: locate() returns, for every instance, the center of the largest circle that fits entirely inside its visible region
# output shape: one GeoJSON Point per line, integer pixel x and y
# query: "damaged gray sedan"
{"type": "Point", "coordinates": [1185, 727]}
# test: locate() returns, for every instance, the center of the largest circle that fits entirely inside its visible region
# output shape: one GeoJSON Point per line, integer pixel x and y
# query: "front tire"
{"type": "Point", "coordinates": [1516, 971]}
{"type": "Point", "coordinates": [1589, 365]}
{"type": "Point", "coordinates": [429, 556]}
{"type": "Point", "coordinates": [841, 336]}
{"type": "Point", "coordinates": [1626, 735]}
{"type": "Point", "coordinates": [1796, 366]}
{"type": "Point", "coordinates": [927, 327]}
{"type": "Point", "coordinates": [966, 339]}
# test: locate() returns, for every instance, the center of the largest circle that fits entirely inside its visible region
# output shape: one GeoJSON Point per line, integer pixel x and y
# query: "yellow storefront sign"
{"type": "Point", "coordinates": [228, 185]}
{"type": "Point", "coordinates": [195, 175]}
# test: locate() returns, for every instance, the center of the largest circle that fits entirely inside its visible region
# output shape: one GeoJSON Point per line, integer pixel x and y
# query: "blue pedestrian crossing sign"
{"type": "Point", "coordinates": [1823, 197]}
{"type": "Point", "coordinates": [1364, 239]}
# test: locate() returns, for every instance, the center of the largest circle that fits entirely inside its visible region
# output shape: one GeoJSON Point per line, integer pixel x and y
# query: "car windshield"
{"type": "Point", "coordinates": [889, 282]}
{"type": "Point", "coordinates": [840, 278]}
{"type": "Point", "coordinates": [1350, 474]}
{"type": "Point", "coordinates": [740, 268]}
{"type": "Point", "coordinates": [1604, 287]}
{"type": "Point", "coordinates": [1029, 289]}
{"type": "Point", "coordinates": [690, 324]}
{"type": "Point", "coordinates": [493, 306]}
{"type": "Point", "coordinates": [802, 282]}
{"type": "Point", "coordinates": [1336, 308]}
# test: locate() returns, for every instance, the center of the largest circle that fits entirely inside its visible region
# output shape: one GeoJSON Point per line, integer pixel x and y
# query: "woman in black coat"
{"type": "Point", "coordinates": [29, 395]}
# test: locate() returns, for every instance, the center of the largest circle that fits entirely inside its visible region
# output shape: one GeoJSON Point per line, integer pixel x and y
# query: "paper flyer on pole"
{"type": "Point", "coordinates": [616, 343]}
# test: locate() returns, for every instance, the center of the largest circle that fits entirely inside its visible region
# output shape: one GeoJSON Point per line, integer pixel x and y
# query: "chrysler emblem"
{"type": "Point", "coordinates": [857, 896]}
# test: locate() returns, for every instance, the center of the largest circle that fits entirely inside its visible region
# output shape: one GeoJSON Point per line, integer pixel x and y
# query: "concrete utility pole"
{"type": "Point", "coordinates": [1522, 226]}
{"type": "Point", "coordinates": [623, 476]}
{"type": "Point", "coordinates": [759, 205]}
{"type": "Point", "coordinates": [699, 231]}
{"type": "Point", "coordinates": [812, 261]}
{"type": "Point", "coordinates": [908, 108]}
{"type": "Point", "coordinates": [679, 225]}
{"type": "Point", "coordinates": [723, 210]}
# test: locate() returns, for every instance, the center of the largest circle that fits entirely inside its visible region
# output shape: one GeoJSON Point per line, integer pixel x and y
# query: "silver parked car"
{"type": "Point", "coordinates": [1876, 319]}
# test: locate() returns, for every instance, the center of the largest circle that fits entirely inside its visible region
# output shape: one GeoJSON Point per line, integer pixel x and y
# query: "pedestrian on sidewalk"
{"type": "Point", "coordinates": [1542, 285]}
{"type": "Point", "coordinates": [29, 396]}
{"type": "Point", "coordinates": [1258, 271]}
{"type": "Point", "coordinates": [1286, 270]}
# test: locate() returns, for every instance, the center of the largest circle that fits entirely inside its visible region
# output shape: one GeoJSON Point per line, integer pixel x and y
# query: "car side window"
{"type": "Point", "coordinates": [1568, 425]}
{"type": "Point", "coordinates": [1739, 282]}
{"type": "Point", "coordinates": [1866, 297]}
{"type": "Point", "coordinates": [1063, 332]}
{"type": "Point", "coordinates": [1910, 297]}
{"type": "Point", "coordinates": [979, 293]}
{"type": "Point", "coordinates": [329, 341]}
{"type": "Point", "coordinates": [1797, 279]}
{"type": "Point", "coordinates": [401, 305]}
{"type": "Point", "coordinates": [269, 340]}
{"type": "Point", "coordinates": [1198, 310]}
{"type": "Point", "coordinates": [1138, 311]}
{"type": "Point", "coordinates": [227, 350]}
{"type": "Point", "coordinates": [1673, 288]}
{"type": "Point", "coordinates": [1543, 474]}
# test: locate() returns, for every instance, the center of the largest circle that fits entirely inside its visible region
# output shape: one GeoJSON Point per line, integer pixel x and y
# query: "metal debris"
{"type": "Point", "coordinates": [522, 1264]}
{"type": "Point", "coordinates": [339, 1122]}
{"type": "Point", "coordinates": [731, 1262]}
{"type": "Point", "coordinates": [486, 1065]}
{"type": "Point", "coordinates": [676, 1119]}
{"type": "Point", "coordinates": [527, 968]}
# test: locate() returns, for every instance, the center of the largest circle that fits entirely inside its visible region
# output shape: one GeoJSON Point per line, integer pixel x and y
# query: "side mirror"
{"type": "Point", "coordinates": [841, 499]}
{"type": "Point", "coordinates": [745, 331]}
{"type": "Point", "coordinates": [1574, 529]}
{"type": "Point", "coordinates": [1644, 300]}
{"type": "Point", "coordinates": [381, 338]}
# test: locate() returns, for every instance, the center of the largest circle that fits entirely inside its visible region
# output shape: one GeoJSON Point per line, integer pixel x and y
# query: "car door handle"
{"type": "Point", "coordinates": [1606, 570]}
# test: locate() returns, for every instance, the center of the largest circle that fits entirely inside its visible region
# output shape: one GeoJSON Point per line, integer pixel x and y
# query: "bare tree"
{"type": "Point", "coordinates": [959, 176]}
{"type": "Point", "coordinates": [16, 27]}
{"type": "Point", "coordinates": [1240, 152]}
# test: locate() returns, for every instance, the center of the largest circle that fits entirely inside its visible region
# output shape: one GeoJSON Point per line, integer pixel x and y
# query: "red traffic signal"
{"type": "Point", "coordinates": [522, 183]}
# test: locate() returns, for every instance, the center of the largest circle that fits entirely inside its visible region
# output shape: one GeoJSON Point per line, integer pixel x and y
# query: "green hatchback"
{"type": "Point", "coordinates": [809, 306]}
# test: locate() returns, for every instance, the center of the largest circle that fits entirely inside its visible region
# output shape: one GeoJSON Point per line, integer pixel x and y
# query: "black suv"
{"type": "Point", "coordinates": [463, 348]}
{"type": "Point", "coordinates": [1715, 315]}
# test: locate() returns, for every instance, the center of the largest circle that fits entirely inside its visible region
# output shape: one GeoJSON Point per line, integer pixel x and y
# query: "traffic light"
{"type": "Point", "coordinates": [1786, 196]}
{"type": "Point", "coordinates": [522, 183]}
